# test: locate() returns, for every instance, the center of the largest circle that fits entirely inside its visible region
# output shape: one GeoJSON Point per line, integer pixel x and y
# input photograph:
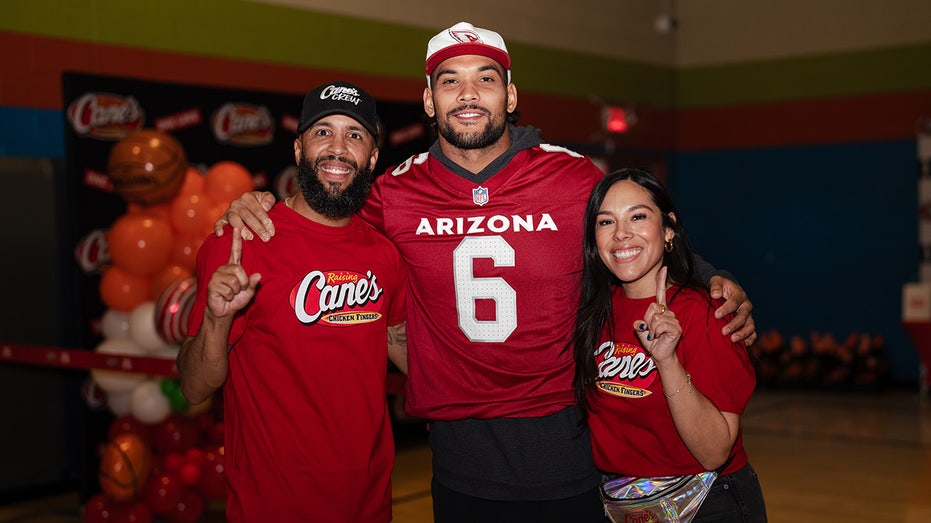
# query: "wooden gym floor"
{"type": "Point", "coordinates": [821, 457]}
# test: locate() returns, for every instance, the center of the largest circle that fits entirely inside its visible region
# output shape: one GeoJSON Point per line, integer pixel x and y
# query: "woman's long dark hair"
{"type": "Point", "coordinates": [595, 311]}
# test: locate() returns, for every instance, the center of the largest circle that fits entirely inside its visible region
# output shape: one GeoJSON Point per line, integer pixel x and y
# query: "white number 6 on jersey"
{"type": "Point", "coordinates": [469, 289]}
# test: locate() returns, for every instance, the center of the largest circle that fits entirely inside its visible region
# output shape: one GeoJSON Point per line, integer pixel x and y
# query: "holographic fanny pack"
{"type": "Point", "coordinates": [668, 499]}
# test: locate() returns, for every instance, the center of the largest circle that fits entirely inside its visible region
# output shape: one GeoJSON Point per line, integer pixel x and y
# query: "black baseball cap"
{"type": "Point", "coordinates": [339, 98]}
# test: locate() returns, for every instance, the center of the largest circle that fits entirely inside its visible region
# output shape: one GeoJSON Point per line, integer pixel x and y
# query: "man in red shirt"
{"type": "Point", "coordinates": [294, 332]}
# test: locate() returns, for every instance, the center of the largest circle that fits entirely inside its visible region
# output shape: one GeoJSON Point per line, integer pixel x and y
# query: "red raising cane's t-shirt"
{"type": "Point", "coordinates": [307, 432]}
{"type": "Point", "coordinates": [631, 428]}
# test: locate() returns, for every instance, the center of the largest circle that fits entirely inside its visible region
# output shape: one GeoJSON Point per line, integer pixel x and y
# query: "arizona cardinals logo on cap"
{"type": "Point", "coordinates": [465, 36]}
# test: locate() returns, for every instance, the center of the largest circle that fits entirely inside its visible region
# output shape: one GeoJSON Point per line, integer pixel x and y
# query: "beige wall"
{"type": "Point", "coordinates": [613, 28]}
{"type": "Point", "coordinates": [727, 31]}
{"type": "Point", "coordinates": [710, 31]}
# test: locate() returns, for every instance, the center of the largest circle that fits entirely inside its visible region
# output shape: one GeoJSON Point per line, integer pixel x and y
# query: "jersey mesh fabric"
{"type": "Point", "coordinates": [494, 280]}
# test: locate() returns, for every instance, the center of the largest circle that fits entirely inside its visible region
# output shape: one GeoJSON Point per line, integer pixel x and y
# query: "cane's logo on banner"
{"type": "Point", "coordinates": [337, 298]}
{"type": "Point", "coordinates": [624, 370]}
{"type": "Point", "coordinates": [105, 115]}
{"type": "Point", "coordinates": [243, 124]}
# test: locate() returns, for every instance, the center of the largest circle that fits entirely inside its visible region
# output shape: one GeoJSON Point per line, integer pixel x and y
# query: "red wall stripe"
{"type": "Point", "coordinates": [878, 117]}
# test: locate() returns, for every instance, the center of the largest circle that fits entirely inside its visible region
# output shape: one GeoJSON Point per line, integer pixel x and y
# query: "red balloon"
{"type": "Point", "coordinates": [123, 291]}
{"type": "Point", "coordinates": [129, 424]}
{"type": "Point", "coordinates": [140, 243]}
{"type": "Point", "coordinates": [173, 462]}
{"type": "Point", "coordinates": [213, 474]}
{"type": "Point", "coordinates": [175, 434]}
{"type": "Point", "coordinates": [189, 474]}
{"type": "Point", "coordinates": [163, 492]}
{"type": "Point", "coordinates": [188, 510]}
{"type": "Point", "coordinates": [226, 181]}
{"type": "Point", "coordinates": [137, 512]}
{"type": "Point", "coordinates": [98, 509]}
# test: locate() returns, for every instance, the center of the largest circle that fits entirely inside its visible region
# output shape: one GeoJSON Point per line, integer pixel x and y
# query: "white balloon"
{"type": "Point", "coordinates": [119, 403]}
{"type": "Point", "coordinates": [148, 404]}
{"type": "Point", "coordinates": [117, 381]}
{"type": "Point", "coordinates": [115, 324]}
{"type": "Point", "coordinates": [142, 327]}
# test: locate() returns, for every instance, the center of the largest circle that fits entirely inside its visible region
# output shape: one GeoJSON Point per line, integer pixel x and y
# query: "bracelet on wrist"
{"type": "Point", "coordinates": [688, 383]}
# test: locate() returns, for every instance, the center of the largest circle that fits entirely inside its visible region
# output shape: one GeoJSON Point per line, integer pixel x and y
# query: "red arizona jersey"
{"type": "Point", "coordinates": [494, 271]}
{"type": "Point", "coordinates": [307, 431]}
{"type": "Point", "coordinates": [632, 431]}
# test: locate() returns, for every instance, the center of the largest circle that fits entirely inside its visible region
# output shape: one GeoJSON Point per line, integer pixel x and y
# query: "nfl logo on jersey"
{"type": "Point", "coordinates": [480, 195]}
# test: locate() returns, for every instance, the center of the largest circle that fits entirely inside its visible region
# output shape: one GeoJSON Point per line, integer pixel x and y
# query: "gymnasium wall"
{"type": "Point", "coordinates": [786, 128]}
{"type": "Point", "coordinates": [795, 158]}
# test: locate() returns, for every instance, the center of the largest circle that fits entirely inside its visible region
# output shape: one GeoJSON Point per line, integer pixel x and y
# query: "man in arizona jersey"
{"type": "Point", "coordinates": [295, 332]}
{"type": "Point", "coordinates": [489, 223]}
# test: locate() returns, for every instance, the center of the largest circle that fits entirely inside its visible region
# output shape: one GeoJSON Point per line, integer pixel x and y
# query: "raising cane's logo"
{"type": "Point", "coordinates": [243, 124]}
{"type": "Point", "coordinates": [645, 516]}
{"type": "Point", "coordinates": [337, 298]}
{"type": "Point", "coordinates": [624, 370]}
{"type": "Point", "coordinates": [105, 115]}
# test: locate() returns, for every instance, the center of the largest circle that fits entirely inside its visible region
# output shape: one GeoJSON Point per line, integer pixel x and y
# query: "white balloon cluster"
{"type": "Point", "coordinates": [134, 333]}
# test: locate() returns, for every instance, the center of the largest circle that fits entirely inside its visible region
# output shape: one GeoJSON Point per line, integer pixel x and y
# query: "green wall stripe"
{"type": "Point", "coordinates": [276, 34]}
{"type": "Point", "coordinates": [875, 71]}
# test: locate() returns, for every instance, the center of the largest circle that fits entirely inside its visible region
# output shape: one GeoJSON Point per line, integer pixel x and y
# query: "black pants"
{"type": "Point", "coordinates": [734, 498]}
{"type": "Point", "coordinates": [453, 507]}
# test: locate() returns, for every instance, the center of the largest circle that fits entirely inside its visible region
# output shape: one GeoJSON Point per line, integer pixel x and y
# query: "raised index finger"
{"type": "Point", "coordinates": [661, 286]}
{"type": "Point", "coordinates": [236, 248]}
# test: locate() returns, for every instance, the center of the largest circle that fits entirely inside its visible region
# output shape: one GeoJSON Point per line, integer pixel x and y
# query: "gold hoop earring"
{"type": "Point", "coordinates": [669, 246]}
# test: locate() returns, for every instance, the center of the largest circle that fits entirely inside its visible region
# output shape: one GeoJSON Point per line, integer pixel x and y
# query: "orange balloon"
{"type": "Point", "coordinates": [123, 291]}
{"type": "Point", "coordinates": [215, 213]}
{"type": "Point", "coordinates": [184, 250]}
{"type": "Point", "coordinates": [140, 243]}
{"type": "Point", "coordinates": [189, 213]}
{"type": "Point", "coordinates": [193, 182]}
{"type": "Point", "coordinates": [226, 181]}
{"type": "Point", "coordinates": [124, 467]}
{"type": "Point", "coordinates": [165, 277]}
{"type": "Point", "coordinates": [159, 210]}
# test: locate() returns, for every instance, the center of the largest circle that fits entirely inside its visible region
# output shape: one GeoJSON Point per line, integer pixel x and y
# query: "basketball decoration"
{"type": "Point", "coordinates": [124, 467]}
{"type": "Point", "coordinates": [173, 309]}
{"type": "Point", "coordinates": [147, 167]}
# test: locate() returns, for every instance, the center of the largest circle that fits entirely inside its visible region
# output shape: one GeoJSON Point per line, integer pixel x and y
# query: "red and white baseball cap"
{"type": "Point", "coordinates": [464, 38]}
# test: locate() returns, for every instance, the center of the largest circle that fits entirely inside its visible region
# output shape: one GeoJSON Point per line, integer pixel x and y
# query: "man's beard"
{"type": "Point", "coordinates": [489, 135]}
{"type": "Point", "coordinates": [328, 200]}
